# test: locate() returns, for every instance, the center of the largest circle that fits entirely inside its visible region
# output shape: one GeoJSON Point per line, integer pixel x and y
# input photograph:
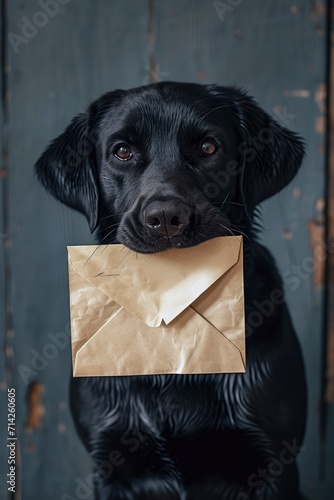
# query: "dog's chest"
{"type": "Point", "coordinates": [176, 404]}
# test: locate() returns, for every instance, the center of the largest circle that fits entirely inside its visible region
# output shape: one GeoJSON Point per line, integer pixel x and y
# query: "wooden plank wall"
{"type": "Point", "coordinates": [3, 189]}
{"type": "Point", "coordinates": [77, 51]}
{"type": "Point", "coordinates": [328, 378]}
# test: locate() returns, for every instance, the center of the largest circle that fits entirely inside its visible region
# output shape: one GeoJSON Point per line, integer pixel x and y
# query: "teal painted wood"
{"type": "Point", "coordinates": [329, 457]}
{"type": "Point", "coordinates": [3, 383]}
{"type": "Point", "coordinates": [276, 50]}
{"type": "Point", "coordinates": [83, 50]}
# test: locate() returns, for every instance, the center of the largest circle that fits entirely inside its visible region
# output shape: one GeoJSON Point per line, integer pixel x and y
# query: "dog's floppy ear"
{"type": "Point", "coordinates": [270, 154]}
{"type": "Point", "coordinates": [67, 169]}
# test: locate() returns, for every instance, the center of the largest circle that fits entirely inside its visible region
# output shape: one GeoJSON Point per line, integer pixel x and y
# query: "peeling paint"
{"type": "Point", "coordinates": [320, 97]}
{"type": "Point", "coordinates": [9, 351]}
{"type": "Point", "coordinates": [316, 228]}
{"type": "Point", "coordinates": [296, 193]}
{"type": "Point", "coordinates": [320, 205]}
{"type": "Point", "coordinates": [329, 383]}
{"type": "Point", "coordinates": [329, 394]}
{"type": "Point", "coordinates": [36, 410]}
{"type": "Point", "coordinates": [287, 234]}
{"type": "Point", "coordinates": [319, 8]}
{"type": "Point", "coordinates": [320, 125]}
{"type": "Point", "coordinates": [297, 93]}
{"type": "Point", "coordinates": [10, 333]}
{"type": "Point", "coordinates": [62, 428]}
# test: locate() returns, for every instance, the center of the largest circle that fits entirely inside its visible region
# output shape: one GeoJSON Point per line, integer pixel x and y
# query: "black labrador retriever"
{"type": "Point", "coordinates": [172, 165]}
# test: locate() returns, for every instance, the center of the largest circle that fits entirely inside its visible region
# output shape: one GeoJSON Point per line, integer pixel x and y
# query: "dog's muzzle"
{"type": "Point", "coordinates": [166, 218]}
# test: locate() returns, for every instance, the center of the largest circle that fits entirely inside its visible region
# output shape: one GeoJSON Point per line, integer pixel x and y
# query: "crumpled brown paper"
{"type": "Point", "coordinates": [177, 311]}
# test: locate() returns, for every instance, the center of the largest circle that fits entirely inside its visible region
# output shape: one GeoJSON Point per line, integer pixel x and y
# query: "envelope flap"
{"type": "Point", "coordinates": [155, 287]}
{"type": "Point", "coordinates": [190, 344]}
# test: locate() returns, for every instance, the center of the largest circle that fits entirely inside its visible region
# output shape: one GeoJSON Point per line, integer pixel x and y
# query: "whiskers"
{"type": "Point", "coordinates": [92, 254]}
{"type": "Point", "coordinates": [110, 232]}
{"type": "Point", "coordinates": [221, 202]}
{"type": "Point", "coordinates": [228, 226]}
{"type": "Point", "coordinates": [114, 226]}
{"type": "Point", "coordinates": [110, 215]}
{"type": "Point", "coordinates": [236, 228]}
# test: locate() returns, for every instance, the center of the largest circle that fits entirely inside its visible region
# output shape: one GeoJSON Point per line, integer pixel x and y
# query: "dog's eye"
{"type": "Point", "coordinates": [123, 152]}
{"type": "Point", "coordinates": [209, 148]}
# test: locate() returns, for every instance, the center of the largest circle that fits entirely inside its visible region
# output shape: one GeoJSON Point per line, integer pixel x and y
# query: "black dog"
{"type": "Point", "coordinates": [172, 165]}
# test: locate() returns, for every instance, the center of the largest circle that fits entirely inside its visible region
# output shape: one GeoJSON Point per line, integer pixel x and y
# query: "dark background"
{"type": "Point", "coordinates": [53, 65]}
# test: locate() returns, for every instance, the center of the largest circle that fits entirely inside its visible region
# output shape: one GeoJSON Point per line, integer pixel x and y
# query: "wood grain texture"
{"type": "Point", "coordinates": [80, 53]}
{"type": "Point", "coordinates": [330, 213]}
{"type": "Point", "coordinates": [329, 340]}
{"type": "Point", "coordinates": [3, 381]}
{"type": "Point", "coordinates": [274, 49]}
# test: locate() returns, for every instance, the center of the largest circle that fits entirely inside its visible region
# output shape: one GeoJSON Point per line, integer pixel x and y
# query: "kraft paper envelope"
{"type": "Point", "coordinates": [177, 311]}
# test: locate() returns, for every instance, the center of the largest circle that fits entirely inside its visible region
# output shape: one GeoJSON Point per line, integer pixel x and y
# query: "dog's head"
{"type": "Point", "coordinates": [170, 164]}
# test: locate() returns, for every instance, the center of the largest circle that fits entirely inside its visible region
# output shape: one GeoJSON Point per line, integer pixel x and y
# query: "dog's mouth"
{"type": "Point", "coordinates": [160, 235]}
{"type": "Point", "coordinates": [143, 245]}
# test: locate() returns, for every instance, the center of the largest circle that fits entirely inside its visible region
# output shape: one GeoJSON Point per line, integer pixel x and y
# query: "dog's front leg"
{"type": "Point", "coordinates": [219, 488]}
{"type": "Point", "coordinates": [259, 469]}
{"type": "Point", "coordinates": [130, 459]}
{"type": "Point", "coordinates": [134, 465]}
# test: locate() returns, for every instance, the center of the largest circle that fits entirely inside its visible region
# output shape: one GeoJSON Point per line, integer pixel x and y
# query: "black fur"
{"type": "Point", "coordinates": [231, 436]}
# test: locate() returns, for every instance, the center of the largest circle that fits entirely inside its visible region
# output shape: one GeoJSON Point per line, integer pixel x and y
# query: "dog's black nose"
{"type": "Point", "coordinates": [166, 218]}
